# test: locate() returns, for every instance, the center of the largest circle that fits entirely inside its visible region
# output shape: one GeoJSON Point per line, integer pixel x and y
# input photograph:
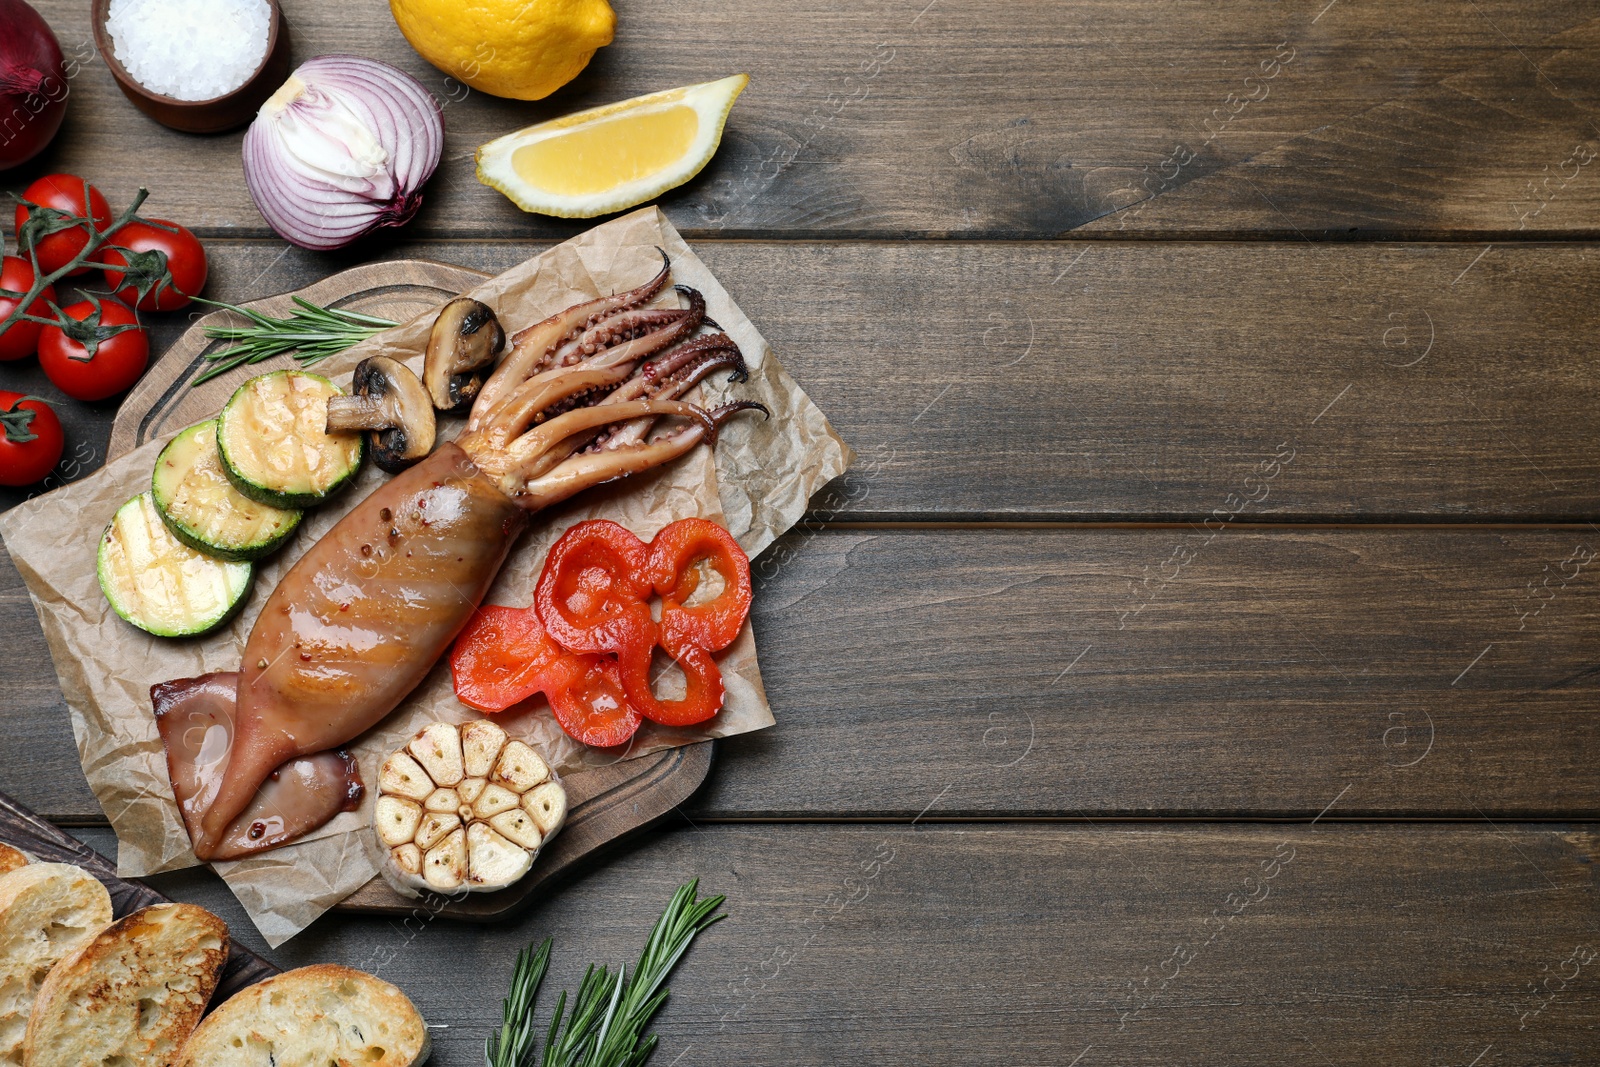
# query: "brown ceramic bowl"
{"type": "Point", "coordinates": [203, 116]}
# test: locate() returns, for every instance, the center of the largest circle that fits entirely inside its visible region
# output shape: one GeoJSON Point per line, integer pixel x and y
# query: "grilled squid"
{"type": "Point", "coordinates": [589, 395]}
{"type": "Point", "coordinates": [195, 717]}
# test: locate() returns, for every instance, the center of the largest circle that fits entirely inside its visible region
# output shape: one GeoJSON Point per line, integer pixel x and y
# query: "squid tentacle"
{"type": "Point", "coordinates": [531, 348]}
{"type": "Point", "coordinates": [589, 469]}
{"type": "Point", "coordinates": [628, 324]}
{"type": "Point", "coordinates": [672, 362]}
{"type": "Point", "coordinates": [534, 399]}
{"type": "Point", "coordinates": [667, 377]}
{"type": "Point", "coordinates": [536, 452]}
{"type": "Point", "coordinates": [723, 412]}
{"type": "Point", "coordinates": [528, 402]}
{"type": "Point", "coordinates": [671, 386]}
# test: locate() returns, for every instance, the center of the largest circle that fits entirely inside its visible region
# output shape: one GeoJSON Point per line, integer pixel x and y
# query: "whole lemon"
{"type": "Point", "coordinates": [523, 49]}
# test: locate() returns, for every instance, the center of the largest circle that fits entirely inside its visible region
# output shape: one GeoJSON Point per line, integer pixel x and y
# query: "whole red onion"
{"type": "Point", "coordinates": [33, 83]}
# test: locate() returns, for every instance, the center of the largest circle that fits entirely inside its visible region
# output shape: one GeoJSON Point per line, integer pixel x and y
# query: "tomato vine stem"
{"type": "Point", "coordinates": [97, 239]}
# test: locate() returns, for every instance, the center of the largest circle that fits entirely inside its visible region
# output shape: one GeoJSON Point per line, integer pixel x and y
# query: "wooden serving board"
{"type": "Point", "coordinates": [606, 805]}
{"type": "Point", "coordinates": [22, 829]}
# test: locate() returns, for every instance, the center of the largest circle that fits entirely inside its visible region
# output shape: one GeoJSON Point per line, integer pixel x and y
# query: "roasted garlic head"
{"type": "Point", "coordinates": [464, 807]}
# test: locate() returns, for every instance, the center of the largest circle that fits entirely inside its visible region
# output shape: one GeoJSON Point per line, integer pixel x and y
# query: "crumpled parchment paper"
{"type": "Point", "coordinates": [757, 483]}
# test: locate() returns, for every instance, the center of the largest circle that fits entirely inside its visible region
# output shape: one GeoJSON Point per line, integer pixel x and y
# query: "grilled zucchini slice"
{"type": "Point", "coordinates": [274, 443]}
{"type": "Point", "coordinates": [160, 584]}
{"type": "Point", "coordinates": [203, 509]}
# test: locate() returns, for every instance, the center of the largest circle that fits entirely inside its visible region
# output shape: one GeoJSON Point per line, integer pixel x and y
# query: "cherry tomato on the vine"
{"type": "Point", "coordinates": [54, 237]}
{"type": "Point", "coordinates": [101, 353]}
{"type": "Point", "coordinates": [30, 439]}
{"type": "Point", "coordinates": [165, 267]}
{"type": "Point", "coordinates": [21, 339]}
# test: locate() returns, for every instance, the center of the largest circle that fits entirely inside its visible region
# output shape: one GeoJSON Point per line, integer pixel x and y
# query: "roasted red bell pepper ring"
{"type": "Point", "coordinates": [674, 553]}
{"type": "Point", "coordinates": [594, 594]}
{"type": "Point", "coordinates": [593, 654]}
{"type": "Point", "coordinates": [504, 656]}
{"type": "Point", "coordinates": [703, 678]}
{"type": "Point", "coordinates": [590, 703]}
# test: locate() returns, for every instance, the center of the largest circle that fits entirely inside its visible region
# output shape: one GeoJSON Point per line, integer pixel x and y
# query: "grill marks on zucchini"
{"type": "Point", "coordinates": [177, 561]}
{"type": "Point", "coordinates": [160, 584]}
{"type": "Point", "coordinates": [202, 507]}
{"type": "Point", "coordinates": [274, 445]}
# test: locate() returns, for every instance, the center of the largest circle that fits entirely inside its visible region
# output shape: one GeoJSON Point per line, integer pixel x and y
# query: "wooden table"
{"type": "Point", "coordinates": [1200, 665]}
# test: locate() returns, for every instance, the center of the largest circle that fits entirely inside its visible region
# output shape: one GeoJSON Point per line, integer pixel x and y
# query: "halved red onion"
{"type": "Point", "coordinates": [342, 148]}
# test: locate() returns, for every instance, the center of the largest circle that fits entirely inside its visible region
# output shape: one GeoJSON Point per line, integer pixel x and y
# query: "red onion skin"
{"type": "Point", "coordinates": [33, 84]}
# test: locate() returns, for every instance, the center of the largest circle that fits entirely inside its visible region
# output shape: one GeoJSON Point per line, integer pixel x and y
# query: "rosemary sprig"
{"type": "Point", "coordinates": [310, 332]}
{"type": "Point", "coordinates": [606, 1025]}
{"type": "Point", "coordinates": [514, 1044]}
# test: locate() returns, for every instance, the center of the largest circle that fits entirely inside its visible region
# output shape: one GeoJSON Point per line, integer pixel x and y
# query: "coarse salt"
{"type": "Point", "coordinates": [190, 49]}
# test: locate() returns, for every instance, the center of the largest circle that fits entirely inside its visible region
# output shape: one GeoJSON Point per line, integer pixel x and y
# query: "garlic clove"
{"type": "Point", "coordinates": [493, 801]}
{"type": "Point", "coordinates": [434, 826]}
{"type": "Point", "coordinates": [402, 776]}
{"type": "Point", "coordinates": [396, 819]}
{"type": "Point", "coordinates": [445, 864]}
{"type": "Point", "coordinates": [547, 806]}
{"type": "Point", "coordinates": [481, 741]}
{"type": "Point", "coordinates": [516, 825]}
{"type": "Point", "coordinates": [442, 800]}
{"type": "Point", "coordinates": [408, 857]}
{"type": "Point", "coordinates": [438, 748]}
{"type": "Point", "coordinates": [471, 789]}
{"type": "Point", "coordinates": [494, 861]}
{"type": "Point", "coordinates": [520, 768]}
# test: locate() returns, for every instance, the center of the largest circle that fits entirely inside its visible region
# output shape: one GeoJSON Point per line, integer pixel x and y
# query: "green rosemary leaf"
{"type": "Point", "coordinates": [310, 333]}
{"type": "Point", "coordinates": [341, 314]}
{"type": "Point", "coordinates": [621, 1040]}
{"type": "Point", "coordinates": [515, 1044]}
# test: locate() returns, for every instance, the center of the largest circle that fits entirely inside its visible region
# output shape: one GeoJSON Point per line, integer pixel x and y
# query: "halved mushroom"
{"type": "Point", "coordinates": [466, 338]}
{"type": "Point", "coordinates": [465, 807]}
{"type": "Point", "coordinates": [388, 400]}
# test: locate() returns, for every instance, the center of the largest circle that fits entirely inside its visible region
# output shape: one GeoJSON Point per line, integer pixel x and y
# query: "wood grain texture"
{"type": "Point", "coordinates": [43, 843]}
{"type": "Point", "coordinates": [1510, 142]}
{"type": "Point", "coordinates": [988, 118]}
{"type": "Point", "coordinates": [1028, 944]}
{"type": "Point", "coordinates": [1175, 672]}
{"type": "Point", "coordinates": [1437, 673]}
{"type": "Point", "coordinates": [1136, 381]}
{"type": "Point", "coordinates": [931, 677]}
{"type": "Point", "coordinates": [34, 715]}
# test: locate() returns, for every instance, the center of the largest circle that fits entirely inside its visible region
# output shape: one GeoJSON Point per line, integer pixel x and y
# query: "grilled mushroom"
{"type": "Point", "coordinates": [390, 402]}
{"type": "Point", "coordinates": [466, 338]}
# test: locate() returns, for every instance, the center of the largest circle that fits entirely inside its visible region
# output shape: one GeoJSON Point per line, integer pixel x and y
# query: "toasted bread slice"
{"type": "Point", "coordinates": [133, 994]}
{"type": "Point", "coordinates": [11, 858]}
{"type": "Point", "coordinates": [312, 1017]}
{"type": "Point", "coordinates": [47, 911]}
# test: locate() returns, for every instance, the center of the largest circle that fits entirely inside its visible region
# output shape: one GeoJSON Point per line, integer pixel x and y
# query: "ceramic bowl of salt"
{"type": "Point", "coordinates": [201, 66]}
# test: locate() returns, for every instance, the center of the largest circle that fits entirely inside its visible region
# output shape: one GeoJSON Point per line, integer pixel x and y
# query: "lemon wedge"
{"type": "Point", "coordinates": [613, 157]}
